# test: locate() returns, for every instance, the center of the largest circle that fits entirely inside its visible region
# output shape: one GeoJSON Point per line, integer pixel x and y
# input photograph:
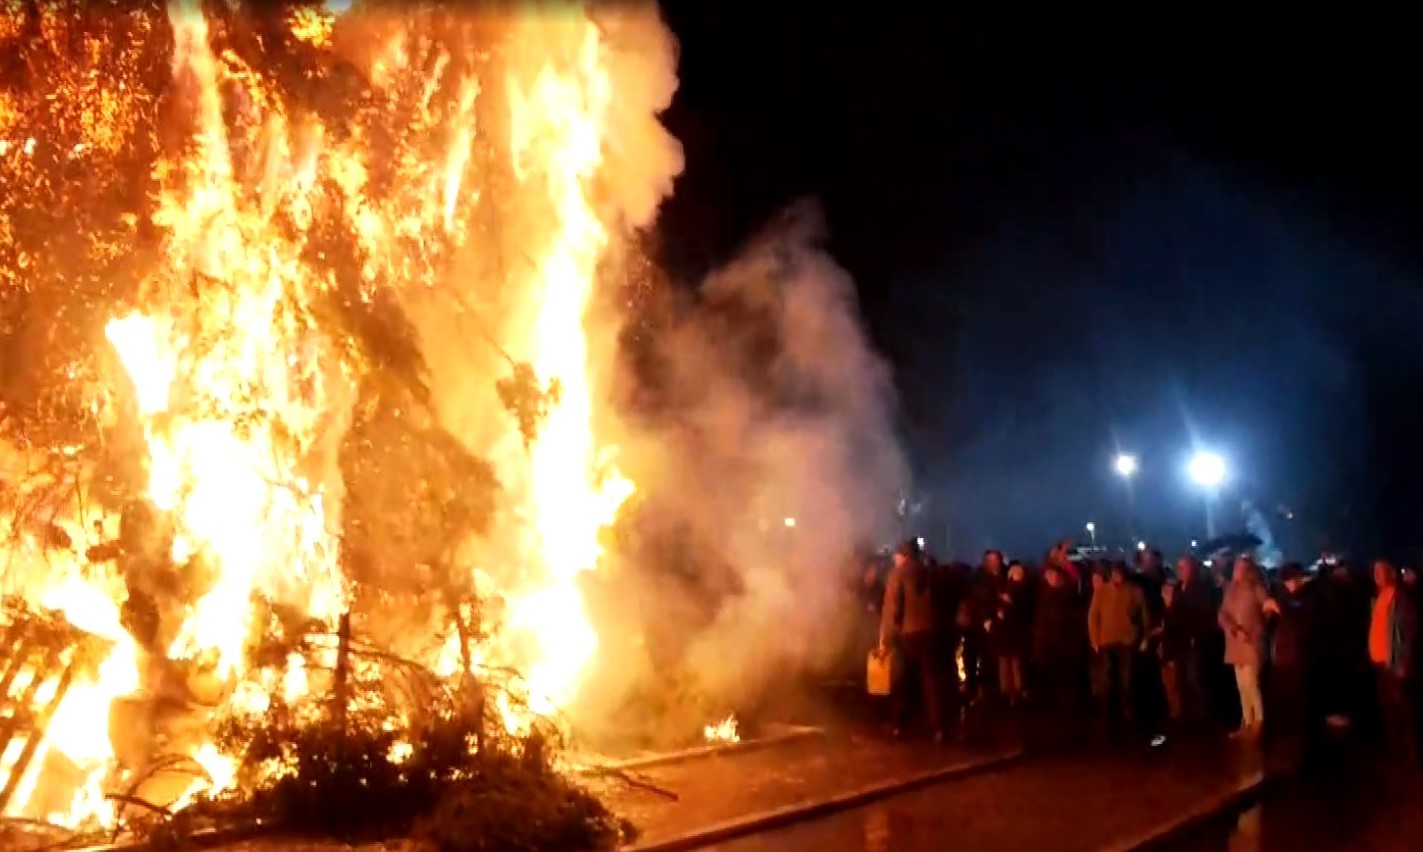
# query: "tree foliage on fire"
{"type": "Point", "coordinates": [94, 128]}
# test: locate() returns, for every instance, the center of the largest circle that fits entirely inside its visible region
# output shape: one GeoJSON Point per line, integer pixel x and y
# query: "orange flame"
{"type": "Point", "coordinates": [233, 380]}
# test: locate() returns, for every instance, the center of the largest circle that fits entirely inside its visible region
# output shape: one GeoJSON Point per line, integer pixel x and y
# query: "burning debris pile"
{"type": "Point", "coordinates": [298, 395]}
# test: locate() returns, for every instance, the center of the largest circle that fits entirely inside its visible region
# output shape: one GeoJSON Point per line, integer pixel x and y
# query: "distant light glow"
{"type": "Point", "coordinates": [790, 523]}
{"type": "Point", "coordinates": [1206, 469]}
{"type": "Point", "coordinates": [1091, 527]}
{"type": "Point", "coordinates": [1193, 544]}
{"type": "Point", "coordinates": [1141, 545]}
{"type": "Point", "coordinates": [1125, 465]}
{"type": "Point", "coordinates": [920, 542]}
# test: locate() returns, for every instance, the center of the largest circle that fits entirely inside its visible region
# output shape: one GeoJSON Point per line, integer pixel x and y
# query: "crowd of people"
{"type": "Point", "coordinates": [1141, 648]}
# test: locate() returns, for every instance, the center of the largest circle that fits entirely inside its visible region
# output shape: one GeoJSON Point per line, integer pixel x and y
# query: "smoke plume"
{"type": "Point", "coordinates": [778, 458]}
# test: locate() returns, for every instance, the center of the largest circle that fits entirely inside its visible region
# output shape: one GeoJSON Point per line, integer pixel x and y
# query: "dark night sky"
{"type": "Point", "coordinates": [1072, 233]}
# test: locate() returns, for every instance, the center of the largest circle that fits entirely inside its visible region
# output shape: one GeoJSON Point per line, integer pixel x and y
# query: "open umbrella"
{"type": "Point", "coordinates": [1233, 542]}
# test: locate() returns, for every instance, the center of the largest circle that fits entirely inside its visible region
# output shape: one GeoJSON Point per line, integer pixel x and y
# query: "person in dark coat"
{"type": "Point", "coordinates": [976, 614]}
{"type": "Point", "coordinates": [1343, 613]}
{"type": "Point", "coordinates": [1011, 632]}
{"type": "Point", "coordinates": [908, 622]}
{"type": "Point", "coordinates": [1175, 649]}
{"type": "Point", "coordinates": [1293, 687]}
{"type": "Point", "coordinates": [1059, 641]}
{"type": "Point", "coordinates": [1202, 647]}
{"type": "Point", "coordinates": [950, 588]}
{"type": "Point", "coordinates": [1150, 697]}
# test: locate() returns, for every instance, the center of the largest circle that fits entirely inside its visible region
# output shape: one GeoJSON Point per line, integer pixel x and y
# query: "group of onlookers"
{"type": "Point", "coordinates": [1142, 647]}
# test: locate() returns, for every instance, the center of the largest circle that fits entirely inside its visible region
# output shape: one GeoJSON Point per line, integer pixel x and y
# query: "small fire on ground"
{"type": "Point", "coordinates": [722, 732]}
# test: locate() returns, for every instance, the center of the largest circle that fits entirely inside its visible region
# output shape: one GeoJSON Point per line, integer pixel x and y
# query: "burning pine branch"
{"type": "Point", "coordinates": [233, 239]}
{"type": "Point", "coordinates": [397, 752]}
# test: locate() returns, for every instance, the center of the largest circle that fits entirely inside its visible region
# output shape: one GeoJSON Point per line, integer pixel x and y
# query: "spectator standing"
{"type": "Point", "coordinates": [1392, 628]}
{"type": "Point", "coordinates": [1242, 617]}
{"type": "Point", "coordinates": [1117, 623]}
{"type": "Point", "coordinates": [908, 621]}
{"type": "Point", "coordinates": [1293, 666]}
{"type": "Point", "coordinates": [1175, 650]}
{"type": "Point", "coordinates": [1344, 618]}
{"type": "Point", "coordinates": [950, 584]}
{"type": "Point", "coordinates": [1011, 633]}
{"type": "Point", "coordinates": [978, 614]}
{"type": "Point", "coordinates": [1059, 641]}
{"type": "Point", "coordinates": [1197, 633]}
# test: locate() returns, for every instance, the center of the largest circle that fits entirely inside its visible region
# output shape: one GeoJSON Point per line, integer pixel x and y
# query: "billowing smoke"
{"type": "Point", "coordinates": [776, 457]}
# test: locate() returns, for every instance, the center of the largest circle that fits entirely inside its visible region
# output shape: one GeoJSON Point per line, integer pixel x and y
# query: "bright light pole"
{"type": "Point", "coordinates": [1208, 470]}
{"type": "Point", "coordinates": [1126, 466]}
{"type": "Point", "coordinates": [1092, 532]}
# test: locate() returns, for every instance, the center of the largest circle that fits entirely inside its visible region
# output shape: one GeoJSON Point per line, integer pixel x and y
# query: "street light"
{"type": "Point", "coordinates": [1125, 465]}
{"type": "Point", "coordinates": [790, 523]}
{"type": "Point", "coordinates": [1206, 469]}
{"type": "Point", "coordinates": [1092, 532]}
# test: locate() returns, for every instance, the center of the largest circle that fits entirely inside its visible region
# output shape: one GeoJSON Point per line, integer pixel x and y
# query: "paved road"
{"type": "Point", "coordinates": [720, 789]}
{"type": "Point", "coordinates": [1071, 803]}
{"type": "Point", "coordinates": [1349, 804]}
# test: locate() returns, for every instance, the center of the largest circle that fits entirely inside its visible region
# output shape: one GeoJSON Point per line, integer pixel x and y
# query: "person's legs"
{"type": "Point", "coordinates": [972, 662]}
{"type": "Point", "coordinates": [1099, 672]}
{"type": "Point", "coordinates": [1394, 710]}
{"type": "Point", "coordinates": [1284, 701]}
{"type": "Point", "coordinates": [1171, 684]}
{"type": "Point", "coordinates": [1191, 695]}
{"type": "Point", "coordinates": [1117, 661]}
{"type": "Point", "coordinates": [929, 682]}
{"type": "Point", "coordinates": [905, 685]}
{"type": "Point", "coordinates": [1126, 662]}
{"type": "Point", "coordinates": [1252, 709]}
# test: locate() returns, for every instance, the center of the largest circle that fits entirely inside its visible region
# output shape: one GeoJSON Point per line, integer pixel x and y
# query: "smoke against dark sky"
{"type": "Point", "coordinates": [1080, 229]}
{"type": "Point", "coordinates": [773, 455]}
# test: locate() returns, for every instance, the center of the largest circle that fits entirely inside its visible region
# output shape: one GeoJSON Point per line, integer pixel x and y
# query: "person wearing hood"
{"type": "Point", "coordinates": [909, 622]}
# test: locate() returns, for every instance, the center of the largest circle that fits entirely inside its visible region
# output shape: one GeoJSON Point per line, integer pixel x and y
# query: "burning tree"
{"type": "Point", "coordinates": [297, 401]}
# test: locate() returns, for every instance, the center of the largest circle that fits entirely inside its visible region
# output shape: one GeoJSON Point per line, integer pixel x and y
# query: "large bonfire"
{"type": "Point", "coordinates": [303, 338]}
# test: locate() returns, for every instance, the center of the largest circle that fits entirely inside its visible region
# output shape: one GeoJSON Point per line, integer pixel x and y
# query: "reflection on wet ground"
{"type": "Point", "coordinates": [1068, 803]}
{"type": "Point", "coordinates": [1346, 804]}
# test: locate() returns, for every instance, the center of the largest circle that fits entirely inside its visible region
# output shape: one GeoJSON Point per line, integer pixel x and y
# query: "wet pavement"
{"type": "Point", "coordinates": [1349, 804]}
{"type": "Point", "coordinates": [666, 801]}
{"type": "Point", "coordinates": [1077, 802]}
